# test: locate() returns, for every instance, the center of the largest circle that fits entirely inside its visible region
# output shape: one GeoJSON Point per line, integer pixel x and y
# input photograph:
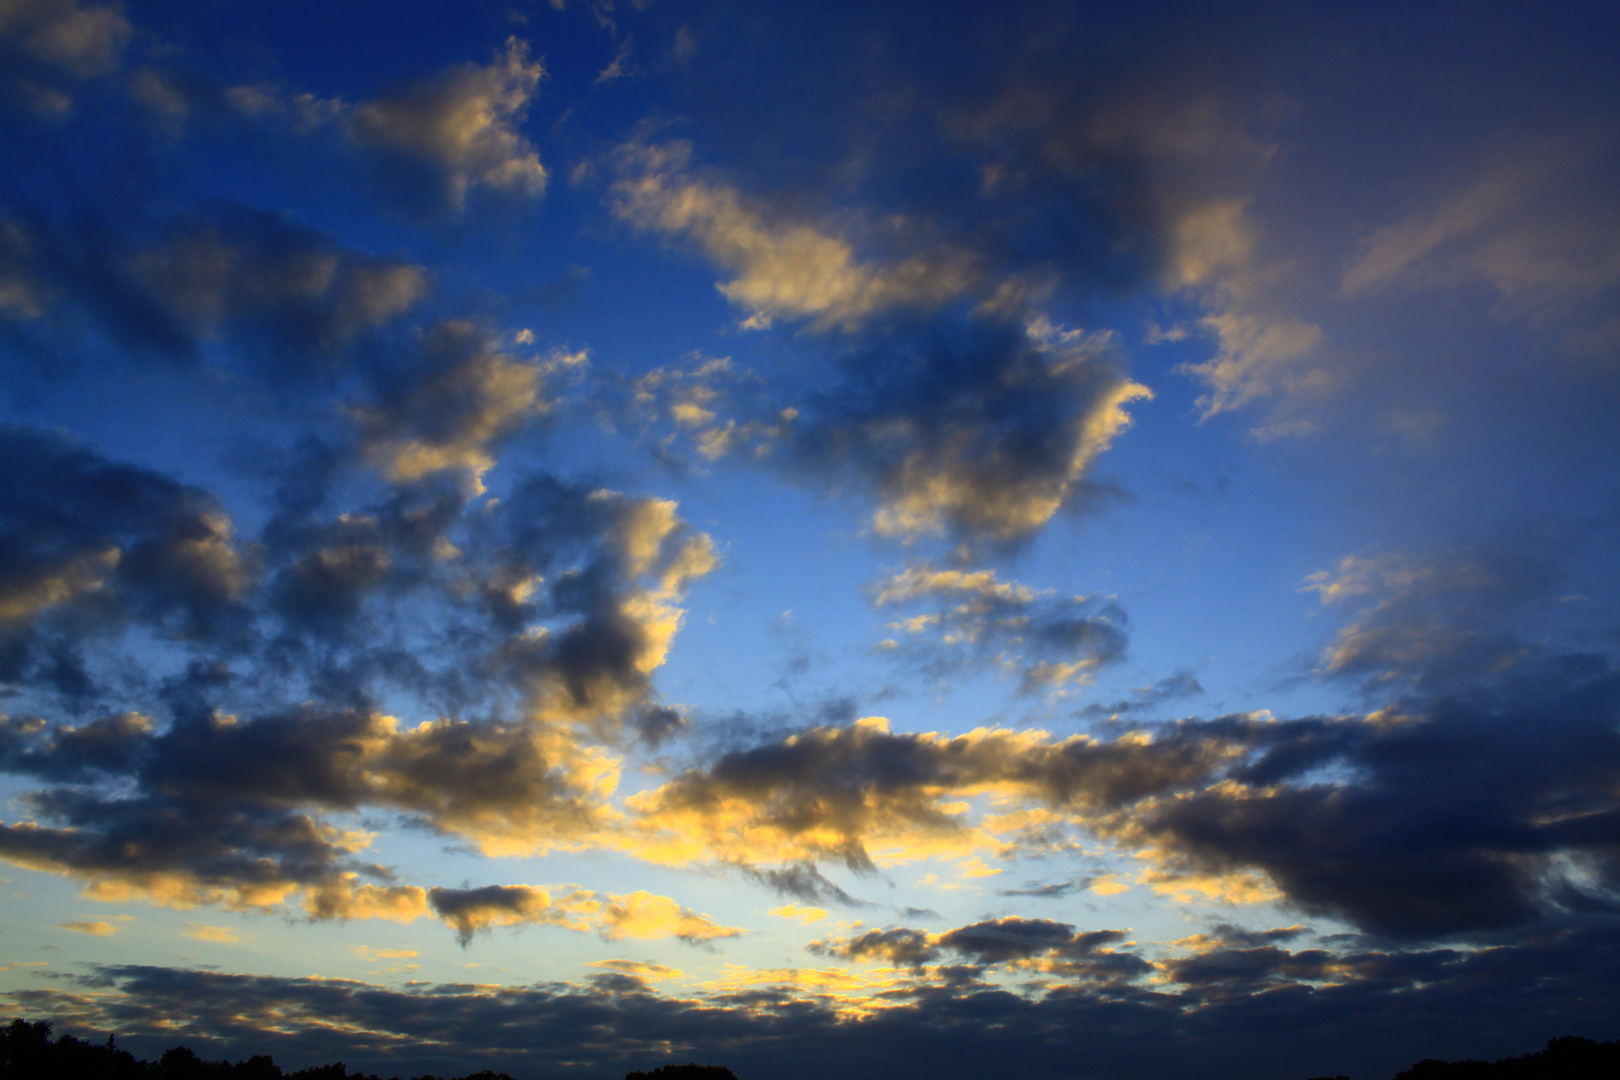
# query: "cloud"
{"type": "Point", "coordinates": [1101, 884]}
{"type": "Point", "coordinates": [89, 546]}
{"type": "Point", "coordinates": [639, 969]}
{"type": "Point", "coordinates": [1451, 815]}
{"type": "Point", "coordinates": [567, 596]}
{"type": "Point", "coordinates": [979, 420]}
{"type": "Point", "coordinates": [256, 276]}
{"type": "Point", "coordinates": [227, 812]}
{"type": "Point", "coordinates": [470, 911]}
{"type": "Point", "coordinates": [1443, 621]}
{"type": "Point", "coordinates": [448, 416]}
{"type": "Point", "coordinates": [1258, 357]}
{"type": "Point", "coordinates": [345, 897]}
{"type": "Point", "coordinates": [221, 935]}
{"type": "Point", "coordinates": [440, 138]}
{"type": "Point", "coordinates": [866, 796]}
{"type": "Point", "coordinates": [597, 668]}
{"type": "Point", "coordinates": [675, 401]}
{"type": "Point", "coordinates": [774, 1025]}
{"type": "Point", "coordinates": [1531, 224]}
{"type": "Point", "coordinates": [245, 289]}
{"type": "Point", "coordinates": [79, 40]}
{"type": "Point", "coordinates": [219, 809]}
{"type": "Point", "coordinates": [1166, 180]}
{"type": "Point", "coordinates": [897, 946]}
{"type": "Point", "coordinates": [1441, 815]}
{"type": "Point", "coordinates": [640, 914]}
{"type": "Point", "coordinates": [802, 881]}
{"type": "Point", "coordinates": [369, 953]}
{"type": "Point", "coordinates": [805, 915]}
{"type": "Point", "coordinates": [1047, 640]}
{"type": "Point", "coordinates": [107, 745]}
{"type": "Point", "coordinates": [98, 928]}
{"type": "Point", "coordinates": [22, 294]}
{"type": "Point", "coordinates": [981, 428]}
{"type": "Point", "coordinates": [1175, 687]}
{"type": "Point", "coordinates": [1037, 944]}
{"type": "Point", "coordinates": [783, 267]}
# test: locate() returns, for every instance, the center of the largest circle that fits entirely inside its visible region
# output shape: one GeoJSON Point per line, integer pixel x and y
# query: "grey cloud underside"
{"type": "Point", "coordinates": [293, 305]}
{"type": "Point", "coordinates": [208, 778]}
{"type": "Point", "coordinates": [224, 810]}
{"type": "Point", "coordinates": [1420, 1003]}
{"type": "Point", "coordinates": [1146, 699]}
{"type": "Point", "coordinates": [980, 425]}
{"type": "Point", "coordinates": [1051, 890]}
{"type": "Point", "coordinates": [1457, 814]}
{"type": "Point", "coordinates": [459, 906]}
{"type": "Point", "coordinates": [1447, 622]}
{"type": "Point", "coordinates": [972, 618]}
{"type": "Point", "coordinates": [91, 546]}
{"type": "Point", "coordinates": [1463, 813]}
{"type": "Point", "coordinates": [120, 544]}
{"type": "Point", "coordinates": [962, 424]}
{"type": "Point", "coordinates": [998, 941]}
{"type": "Point", "coordinates": [802, 881]}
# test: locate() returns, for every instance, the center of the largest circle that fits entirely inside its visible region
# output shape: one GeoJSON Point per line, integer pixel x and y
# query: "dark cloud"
{"type": "Point", "coordinates": [1175, 687]}
{"type": "Point", "coordinates": [1437, 623]}
{"type": "Point", "coordinates": [1489, 1002]}
{"type": "Point", "coordinates": [439, 138]}
{"type": "Point", "coordinates": [897, 946]}
{"type": "Point", "coordinates": [954, 401]}
{"type": "Point", "coordinates": [1049, 641]}
{"type": "Point", "coordinates": [826, 793]}
{"type": "Point", "coordinates": [1038, 943]}
{"type": "Point", "coordinates": [1452, 819]}
{"type": "Point", "coordinates": [88, 546]}
{"type": "Point", "coordinates": [1437, 816]}
{"type": "Point", "coordinates": [980, 428]}
{"type": "Point", "coordinates": [1051, 890]}
{"type": "Point", "coordinates": [288, 301]}
{"type": "Point", "coordinates": [472, 910]}
{"type": "Point", "coordinates": [48, 47]}
{"type": "Point", "coordinates": [633, 915]}
{"type": "Point", "coordinates": [229, 810]}
{"type": "Point", "coordinates": [108, 745]}
{"type": "Point", "coordinates": [547, 622]}
{"type": "Point", "coordinates": [1000, 940]}
{"type": "Point", "coordinates": [451, 408]}
{"type": "Point", "coordinates": [802, 881]}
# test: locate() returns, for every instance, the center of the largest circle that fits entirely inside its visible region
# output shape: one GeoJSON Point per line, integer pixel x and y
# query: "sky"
{"type": "Point", "coordinates": [1063, 539]}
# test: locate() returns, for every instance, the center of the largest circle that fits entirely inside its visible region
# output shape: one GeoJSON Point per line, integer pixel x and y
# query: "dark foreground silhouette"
{"type": "Point", "coordinates": [1564, 1059]}
{"type": "Point", "coordinates": [27, 1052]}
{"type": "Point", "coordinates": [691, 1071]}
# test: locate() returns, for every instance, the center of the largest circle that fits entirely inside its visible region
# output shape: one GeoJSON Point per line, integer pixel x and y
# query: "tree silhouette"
{"type": "Point", "coordinates": [27, 1052]}
{"type": "Point", "coordinates": [690, 1071]}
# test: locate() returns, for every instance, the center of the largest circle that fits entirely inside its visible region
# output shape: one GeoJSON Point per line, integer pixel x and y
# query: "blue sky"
{"type": "Point", "coordinates": [568, 536]}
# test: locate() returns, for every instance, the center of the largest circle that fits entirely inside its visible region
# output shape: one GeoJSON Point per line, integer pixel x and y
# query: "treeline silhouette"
{"type": "Point", "coordinates": [27, 1052]}
{"type": "Point", "coordinates": [1569, 1058]}
{"type": "Point", "coordinates": [690, 1071]}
